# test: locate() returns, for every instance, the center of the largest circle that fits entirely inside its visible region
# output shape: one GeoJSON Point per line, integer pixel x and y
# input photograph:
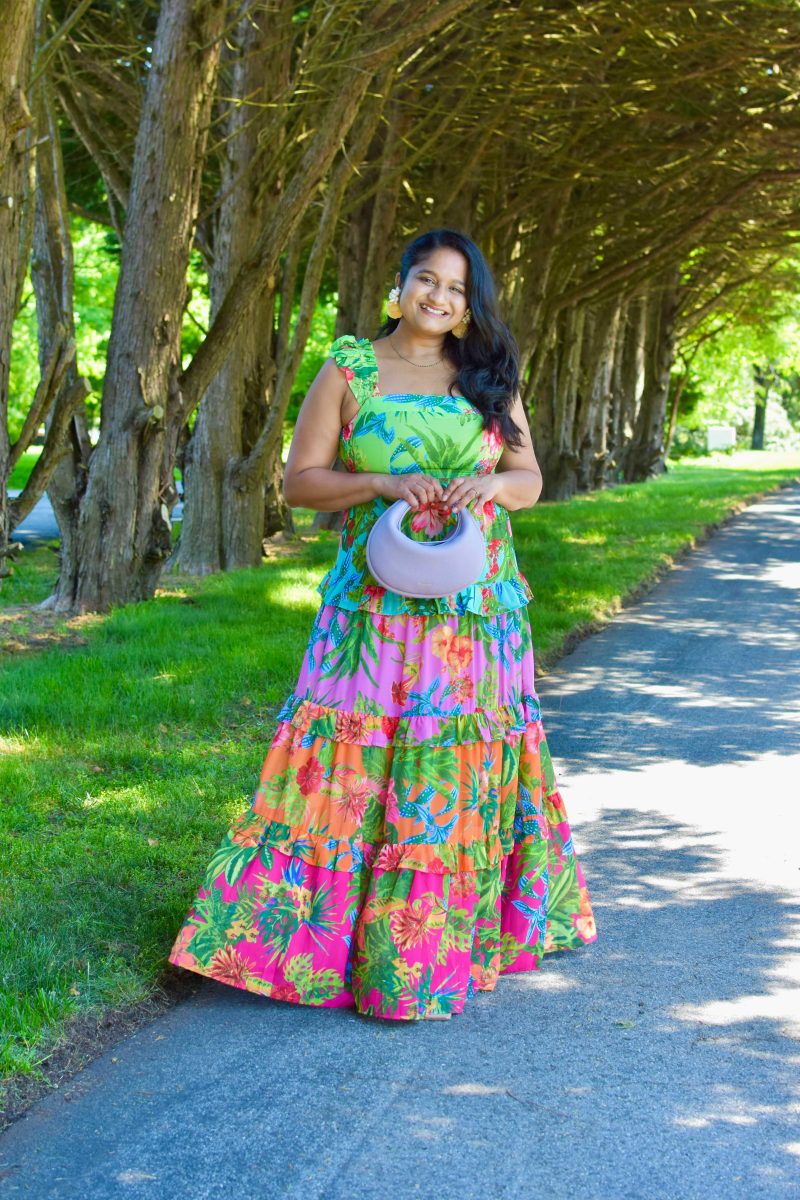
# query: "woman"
{"type": "Point", "coordinates": [406, 843]}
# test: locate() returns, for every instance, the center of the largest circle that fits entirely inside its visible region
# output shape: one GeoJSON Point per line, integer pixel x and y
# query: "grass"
{"type": "Point", "coordinates": [128, 741]}
{"type": "Point", "coordinates": [22, 469]}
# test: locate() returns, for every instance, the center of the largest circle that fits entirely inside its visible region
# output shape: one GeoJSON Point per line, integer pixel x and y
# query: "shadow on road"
{"type": "Point", "coordinates": [662, 1061]}
{"type": "Point", "coordinates": [704, 670]}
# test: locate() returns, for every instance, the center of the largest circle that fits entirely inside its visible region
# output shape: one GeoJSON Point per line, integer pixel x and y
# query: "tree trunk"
{"type": "Point", "coordinates": [761, 378]}
{"type": "Point", "coordinates": [277, 516]}
{"type": "Point", "coordinates": [223, 509]}
{"type": "Point", "coordinates": [123, 534]}
{"type": "Point", "coordinates": [680, 388]}
{"type": "Point", "coordinates": [368, 237]}
{"type": "Point", "coordinates": [16, 52]}
{"type": "Point", "coordinates": [350, 269]}
{"type": "Point", "coordinates": [242, 449]}
{"type": "Point", "coordinates": [375, 280]}
{"type": "Point", "coordinates": [62, 466]}
{"type": "Point", "coordinates": [592, 392]}
{"type": "Point", "coordinates": [644, 454]}
{"type": "Point", "coordinates": [628, 378]}
{"type": "Point", "coordinates": [528, 302]}
{"type": "Point", "coordinates": [554, 415]}
{"type": "Point", "coordinates": [593, 437]}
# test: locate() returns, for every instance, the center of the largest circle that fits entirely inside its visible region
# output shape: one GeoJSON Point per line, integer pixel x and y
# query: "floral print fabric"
{"type": "Point", "coordinates": [401, 434]}
{"type": "Point", "coordinates": [406, 843]}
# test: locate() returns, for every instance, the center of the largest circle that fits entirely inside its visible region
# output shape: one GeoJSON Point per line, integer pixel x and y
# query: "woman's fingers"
{"type": "Point", "coordinates": [420, 489]}
{"type": "Point", "coordinates": [461, 492]}
{"type": "Point", "coordinates": [414, 492]}
{"type": "Point", "coordinates": [451, 491]}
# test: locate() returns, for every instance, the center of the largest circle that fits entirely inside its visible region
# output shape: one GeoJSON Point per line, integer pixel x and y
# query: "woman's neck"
{"type": "Point", "coordinates": [427, 347]}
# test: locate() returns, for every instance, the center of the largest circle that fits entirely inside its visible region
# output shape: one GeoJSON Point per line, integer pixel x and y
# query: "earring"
{"type": "Point", "coordinates": [393, 306]}
{"type": "Point", "coordinates": [461, 328]}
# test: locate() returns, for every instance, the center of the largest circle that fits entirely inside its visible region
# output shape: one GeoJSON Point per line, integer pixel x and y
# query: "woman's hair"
{"type": "Point", "coordinates": [487, 357]}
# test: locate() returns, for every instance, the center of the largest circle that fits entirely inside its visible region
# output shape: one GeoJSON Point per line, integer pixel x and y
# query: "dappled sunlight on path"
{"type": "Point", "coordinates": [705, 668]}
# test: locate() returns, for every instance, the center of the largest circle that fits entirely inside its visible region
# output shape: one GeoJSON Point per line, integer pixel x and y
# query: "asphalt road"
{"type": "Point", "coordinates": [663, 1062]}
{"type": "Point", "coordinates": [40, 525]}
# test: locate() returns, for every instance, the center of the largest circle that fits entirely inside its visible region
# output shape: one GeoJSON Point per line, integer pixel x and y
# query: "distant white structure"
{"type": "Point", "coordinates": [720, 437]}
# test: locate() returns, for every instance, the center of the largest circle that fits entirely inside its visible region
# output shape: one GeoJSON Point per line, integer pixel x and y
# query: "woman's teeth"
{"type": "Point", "coordinates": [435, 312]}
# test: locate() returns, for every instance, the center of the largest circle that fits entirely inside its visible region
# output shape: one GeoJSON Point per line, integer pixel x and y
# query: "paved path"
{"type": "Point", "coordinates": [662, 1062]}
{"type": "Point", "coordinates": [41, 526]}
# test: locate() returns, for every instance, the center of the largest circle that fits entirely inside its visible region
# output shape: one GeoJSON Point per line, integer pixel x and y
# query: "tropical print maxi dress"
{"type": "Point", "coordinates": [406, 843]}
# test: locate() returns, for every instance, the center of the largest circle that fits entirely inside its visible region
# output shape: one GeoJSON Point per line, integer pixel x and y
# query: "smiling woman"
{"type": "Point", "coordinates": [406, 844]}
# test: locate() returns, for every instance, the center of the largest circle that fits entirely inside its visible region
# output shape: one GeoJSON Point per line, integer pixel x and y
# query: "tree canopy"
{"type": "Point", "coordinates": [628, 168]}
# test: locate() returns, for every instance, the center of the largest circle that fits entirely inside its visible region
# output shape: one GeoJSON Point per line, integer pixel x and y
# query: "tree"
{"type": "Point", "coordinates": [123, 527]}
{"type": "Point", "coordinates": [342, 59]}
{"type": "Point", "coordinates": [762, 378]}
{"type": "Point", "coordinates": [233, 465]}
{"type": "Point", "coordinates": [61, 404]}
{"type": "Point", "coordinates": [16, 56]}
{"type": "Point", "coordinates": [624, 166]}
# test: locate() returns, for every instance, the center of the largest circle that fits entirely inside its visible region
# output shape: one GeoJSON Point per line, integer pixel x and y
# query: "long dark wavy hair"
{"type": "Point", "coordinates": [487, 358]}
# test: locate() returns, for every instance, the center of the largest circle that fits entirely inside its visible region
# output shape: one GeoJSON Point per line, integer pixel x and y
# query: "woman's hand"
{"type": "Point", "coordinates": [414, 489]}
{"type": "Point", "coordinates": [458, 493]}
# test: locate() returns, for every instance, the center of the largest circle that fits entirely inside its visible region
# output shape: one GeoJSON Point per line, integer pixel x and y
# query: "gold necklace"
{"type": "Point", "coordinates": [411, 360]}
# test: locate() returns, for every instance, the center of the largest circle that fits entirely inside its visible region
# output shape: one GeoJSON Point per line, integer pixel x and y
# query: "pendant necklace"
{"type": "Point", "coordinates": [411, 360]}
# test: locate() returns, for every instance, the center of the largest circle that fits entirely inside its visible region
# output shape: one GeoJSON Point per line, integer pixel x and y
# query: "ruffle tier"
{"type": "Point", "coordinates": [373, 729]}
{"type": "Point", "coordinates": [396, 858]}
{"type": "Point", "coordinates": [391, 943]}
{"type": "Point", "coordinates": [346, 589]}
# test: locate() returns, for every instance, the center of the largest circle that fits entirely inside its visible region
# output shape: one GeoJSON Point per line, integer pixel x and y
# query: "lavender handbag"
{"type": "Point", "coordinates": [425, 570]}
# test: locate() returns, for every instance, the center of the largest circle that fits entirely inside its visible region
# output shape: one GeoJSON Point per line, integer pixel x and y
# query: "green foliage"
{"type": "Point", "coordinates": [688, 442]}
{"type": "Point", "coordinates": [317, 350]}
{"type": "Point", "coordinates": [763, 330]}
{"type": "Point", "coordinates": [691, 396]}
{"type": "Point", "coordinates": [96, 250]}
{"type": "Point", "coordinates": [96, 255]}
{"type": "Point", "coordinates": [24, 374]}
{"type": "Point", "coordinates": [196, 315]}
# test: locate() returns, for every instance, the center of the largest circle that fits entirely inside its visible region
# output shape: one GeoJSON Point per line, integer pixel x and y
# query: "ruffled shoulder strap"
{"type": "Point", "coordinates": [355, 358]}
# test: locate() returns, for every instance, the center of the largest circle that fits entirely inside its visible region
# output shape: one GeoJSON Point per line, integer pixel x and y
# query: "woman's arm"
{"type": "Point", "coordinates": [309, 478]}
{"type": "Point", "coordinates": [517, 479]}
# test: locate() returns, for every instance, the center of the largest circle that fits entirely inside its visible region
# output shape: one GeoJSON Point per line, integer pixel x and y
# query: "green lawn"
{"type": "Point", "coordinates": [127, 746]}
{"type": "Point", "coordinates": [27, 460]}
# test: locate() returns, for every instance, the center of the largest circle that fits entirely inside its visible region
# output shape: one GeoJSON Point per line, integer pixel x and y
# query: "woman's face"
{"type": "Point", "coordinates": [434, 296]}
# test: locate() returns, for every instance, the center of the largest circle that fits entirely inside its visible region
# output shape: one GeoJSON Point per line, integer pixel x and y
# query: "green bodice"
{"type": "Point", "coordinates": [398, 434]}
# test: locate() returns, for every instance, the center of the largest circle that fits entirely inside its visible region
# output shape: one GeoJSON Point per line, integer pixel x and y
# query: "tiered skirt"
{"type": "Point", "coordinates": [407, 843]}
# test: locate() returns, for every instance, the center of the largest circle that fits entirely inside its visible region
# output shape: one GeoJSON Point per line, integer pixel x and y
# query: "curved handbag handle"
{"type": "Point", "coordinates": [425, 570]}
